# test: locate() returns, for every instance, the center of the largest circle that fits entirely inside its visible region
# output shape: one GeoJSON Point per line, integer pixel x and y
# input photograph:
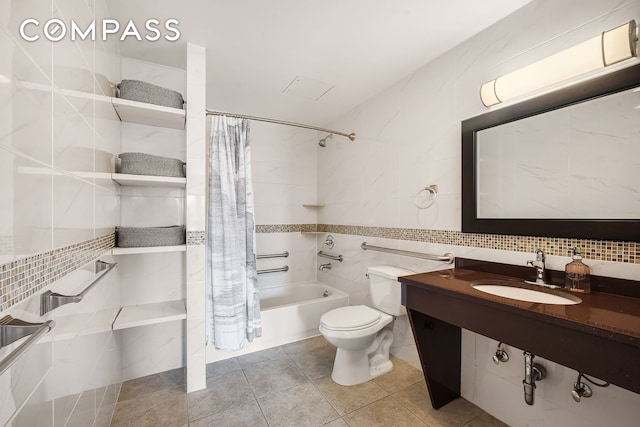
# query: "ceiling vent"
{"type": "Point", "coordinates": [307, 88]}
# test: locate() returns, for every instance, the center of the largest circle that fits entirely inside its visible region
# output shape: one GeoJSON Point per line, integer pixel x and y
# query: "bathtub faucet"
{"type": "Point", "coordinates": [326, 266]}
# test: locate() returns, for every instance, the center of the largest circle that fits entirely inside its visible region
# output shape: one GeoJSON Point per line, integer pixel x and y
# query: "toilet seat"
{"type": "Point", "coordinates": [350, 318]}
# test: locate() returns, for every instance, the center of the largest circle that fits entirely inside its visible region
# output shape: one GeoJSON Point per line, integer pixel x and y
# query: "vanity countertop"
{"type": "Point", "coordinates": [599, 336]}
{"type": "Point", "coordinates": [610, 316]}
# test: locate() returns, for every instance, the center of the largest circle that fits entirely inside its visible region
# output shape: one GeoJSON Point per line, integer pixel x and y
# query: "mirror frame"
{"type": "Point", "coordinates": [610, 229]}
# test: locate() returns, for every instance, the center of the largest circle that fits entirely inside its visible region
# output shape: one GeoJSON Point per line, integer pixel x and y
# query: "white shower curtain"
{"type": "Point", "coordinates": [233, 306]}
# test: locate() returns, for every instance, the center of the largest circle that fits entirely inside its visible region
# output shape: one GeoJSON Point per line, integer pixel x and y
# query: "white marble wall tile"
{"type": "Point", "coordinates": [74, 364]}
{"type": "Point", "coordinates": [24, 377]}
{"type": "Point", "coordinates": [195, 263]}
{"type": "Point", "coordinates": [151, 349]}
{"type": "Point", "coordinates": [588, 20]}
{"type": "Point", "coordinates": [72, 60]}
{"type": "Point", "coordinates": [196, 212]}
{"type": "Point", "coordinates": [40, 53]}
{"type": "Point", "coordinates": [161, 75]}
{"type": "Point", "coordinates": [73, 145]}
{"type": "Point", "coordinates": [150, 278]}
{"type": "Point", "coordinates": [153, 140]}
{"type": "Point", "coordinates": [149, 210]}
{"type": "Point", "coordinates": [31, 132]}
{"type": "Point", "coordinates": [37, 411]}
{"type": "Point", "coordinates": [33, 201]}
{"type": "Point", "coordinates": [73, 211]}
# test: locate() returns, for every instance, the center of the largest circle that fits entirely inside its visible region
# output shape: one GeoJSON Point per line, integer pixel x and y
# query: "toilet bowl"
{"type": "Point", "coordinates": [363, 335]}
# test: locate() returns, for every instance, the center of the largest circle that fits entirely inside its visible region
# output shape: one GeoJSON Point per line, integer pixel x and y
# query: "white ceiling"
{"type": "Point", "coordinates": [256, 48]}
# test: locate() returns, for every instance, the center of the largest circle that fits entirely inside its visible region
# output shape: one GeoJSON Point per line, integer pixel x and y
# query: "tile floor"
{"type": "Point", "coordinates": [289, 386]}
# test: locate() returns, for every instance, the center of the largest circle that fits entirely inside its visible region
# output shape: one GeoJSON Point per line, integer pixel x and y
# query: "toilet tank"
{"type": "Point", "coordinates": [385, 289]}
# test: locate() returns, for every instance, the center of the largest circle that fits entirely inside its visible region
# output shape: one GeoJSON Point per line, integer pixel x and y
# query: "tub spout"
{"type": "Point", "coordinates": [326, 266]}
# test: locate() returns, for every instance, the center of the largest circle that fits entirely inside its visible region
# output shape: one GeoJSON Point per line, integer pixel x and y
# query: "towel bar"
{"type": "Point", "coordinates": [50, 300]}
{"type": "Point", "coordinates": [12, 330]}
{"type": "Point", "coordinates": [333, 257]}
{"type": "Point", "coordinates": [273, 270]}
{"type": "Point", "coordinates": [280, 255]}
{"type": "Point", "coordinates": [448, 257]}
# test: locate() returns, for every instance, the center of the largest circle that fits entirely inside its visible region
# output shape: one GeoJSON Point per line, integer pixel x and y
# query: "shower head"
{"type": "Point", "coordinates": [323, 141]}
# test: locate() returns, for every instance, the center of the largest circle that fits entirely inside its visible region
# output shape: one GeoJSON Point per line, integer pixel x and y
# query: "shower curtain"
{"type": "Point", "coordinates": [233, 306]}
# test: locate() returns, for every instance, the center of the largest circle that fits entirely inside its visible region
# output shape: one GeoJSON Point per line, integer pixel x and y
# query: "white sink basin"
{"type": "Point", "coordinates": [515, 291]}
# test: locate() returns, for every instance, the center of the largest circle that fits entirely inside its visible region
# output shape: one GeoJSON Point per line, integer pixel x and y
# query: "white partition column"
{"type": "Point", "coordinates": [196, 377]}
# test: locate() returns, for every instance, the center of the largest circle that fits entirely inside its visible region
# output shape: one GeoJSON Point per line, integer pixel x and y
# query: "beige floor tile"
{"type": "Point", "coordinates": [247, 415]}
{"type": "Point", "coordinates": [455, 414]}
{"type": "Point", "coordinates": [337, 423]}
{"type": "Point", "coordinates": [301, 406]}
{"type": "Point", "coordinates": [387, 412]}
{"type": "Point", "coordinates": [225, 391]}
{"type": "Point", "coordinates": [223, 367]}
{"type": "Point", "coordinates": [164, 408]}
{"type": "Point", "coordinates": [145, 385]}
{"type": "Point", "coordinates": [261, 356]}
{"type": "Point", "coordinates": [274, 375]}
{"type": "Point", "coordinates": [307, 345]}
{"type": "Point", "coordinates": [348, 399]}
{"type": "Point", "coordinates": [316, 362]}
{"type": "Point", "coordinates": [402, 376]}
{"type": "Point", "coordinates": [486, 420]}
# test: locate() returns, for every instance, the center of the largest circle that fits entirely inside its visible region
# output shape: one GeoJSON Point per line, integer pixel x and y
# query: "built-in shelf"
{"type": "Point", "coordinates": [149, 314]}
{"type": "Point", "coordinates": [149, 114]}
{"type": "Point", "coordinates": [148, 180]}
{"type": "Point", "coordinates": [148, 250]}
{"type": "Point", "coordinates": [313, 205]}
{"type": "Point", "coordinates": [67, 327]}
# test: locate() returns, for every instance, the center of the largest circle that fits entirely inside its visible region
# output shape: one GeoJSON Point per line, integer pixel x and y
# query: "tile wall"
{"type": "Point", "coordinates": [58, 133]}
{"type": "Point", "coordinates": [409, 138]}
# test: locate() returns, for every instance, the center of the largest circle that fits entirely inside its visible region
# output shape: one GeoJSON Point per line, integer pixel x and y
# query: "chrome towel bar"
{"type": "Point", "coordinates": [274, 270]}
{"type": "Point", "coordinates": [280, 255]}
{"type": "Point", "coordinates": [50, 300]}
{"type": "Point", "coordinates": [448, 257]}
{"type": "Point", "coordinates": [333, 257]}
{"type": "Point", "coordinates": [12, 330]}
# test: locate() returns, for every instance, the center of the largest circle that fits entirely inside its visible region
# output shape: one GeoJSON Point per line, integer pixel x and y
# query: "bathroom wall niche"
{"type": "Point", "coordinates": [564, 164]}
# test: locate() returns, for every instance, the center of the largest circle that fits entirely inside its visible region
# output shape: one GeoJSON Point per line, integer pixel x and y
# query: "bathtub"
{"type": "Point", "coordinates": [289, 313]}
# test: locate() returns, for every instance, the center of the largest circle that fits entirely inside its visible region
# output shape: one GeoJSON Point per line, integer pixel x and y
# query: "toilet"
{"type": "Point", "coordinates": [363, 334]}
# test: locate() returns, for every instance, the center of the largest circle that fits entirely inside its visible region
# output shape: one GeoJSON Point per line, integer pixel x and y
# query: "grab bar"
{"type": "Point", "coordinates": [448, 257]}
{"type": "Point", "coordinates": [50, 301]}
{"type": "Point", "coordinates": [273, 270]}
{"type": "Point", "coordinates": [333, 257]}
{"type": "Point", "coordinates": [12, 330]}
{"type": "Point", "coordinates": [280, 255]}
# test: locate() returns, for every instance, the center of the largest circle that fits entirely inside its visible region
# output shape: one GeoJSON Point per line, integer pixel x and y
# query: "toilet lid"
{"type": "Point", "coordinates": [350, 318]}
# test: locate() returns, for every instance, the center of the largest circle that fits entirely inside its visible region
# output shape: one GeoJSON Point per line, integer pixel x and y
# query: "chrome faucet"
{"type": "Point", "coordinates": [326, 266]}
{"type": "Point", "coordinates": [539, 265]}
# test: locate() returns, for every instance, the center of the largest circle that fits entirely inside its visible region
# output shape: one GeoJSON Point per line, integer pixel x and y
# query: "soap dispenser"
{"type": "Point", "coordinates": [576, 274]}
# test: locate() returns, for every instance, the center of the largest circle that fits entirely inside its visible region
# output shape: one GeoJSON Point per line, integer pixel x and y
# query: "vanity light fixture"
{"type": "Point", "coordinates": [608, 48]}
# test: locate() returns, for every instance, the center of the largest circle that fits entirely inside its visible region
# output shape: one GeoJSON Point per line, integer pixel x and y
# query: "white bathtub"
{"type": "Point", "coordinates": [289, 313]}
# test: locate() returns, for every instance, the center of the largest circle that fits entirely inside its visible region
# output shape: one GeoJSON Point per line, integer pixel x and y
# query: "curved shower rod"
{"type": "Point", "coordinates": [351, 136]}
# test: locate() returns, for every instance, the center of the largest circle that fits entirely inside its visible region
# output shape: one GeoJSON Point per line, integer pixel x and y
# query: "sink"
{"type": "Point", "coordinates": [522, 292]}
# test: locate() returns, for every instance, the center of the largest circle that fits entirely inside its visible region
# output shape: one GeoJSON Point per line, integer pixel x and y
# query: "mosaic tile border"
{"type": "Point", "coordinates": [605, 250]}
{"type": "Point", "coordinates": [195, 238]}
{"type": "Point", "coordinates": [287, 228]}
{"type": "Point", "coordinates": [21, 278]}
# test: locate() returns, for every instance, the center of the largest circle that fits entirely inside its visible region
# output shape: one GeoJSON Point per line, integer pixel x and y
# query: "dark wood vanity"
{"type": "Point", "coordinates": [600, 336]}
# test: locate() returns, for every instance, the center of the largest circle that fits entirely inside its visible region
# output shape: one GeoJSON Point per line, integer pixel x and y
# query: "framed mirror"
{"type": "Point", "coordinates": [564, 164]}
